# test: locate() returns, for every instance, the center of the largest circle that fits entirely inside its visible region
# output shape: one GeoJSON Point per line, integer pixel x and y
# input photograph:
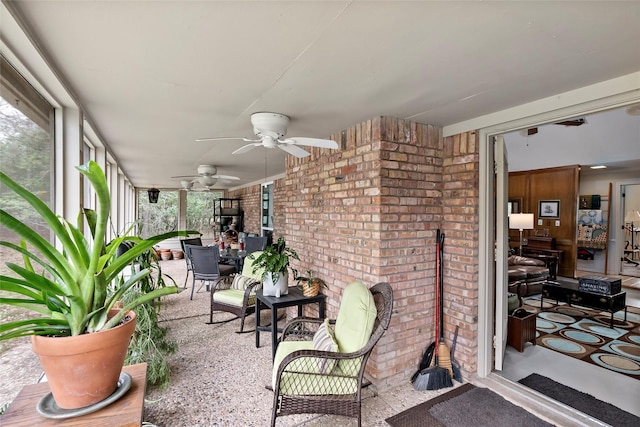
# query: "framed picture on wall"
{"type": "Point", "coordinates": [549, 209]}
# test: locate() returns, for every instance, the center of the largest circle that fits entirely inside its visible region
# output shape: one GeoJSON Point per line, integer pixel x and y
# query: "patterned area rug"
{"type": "Point", "coordinates": [585, 334]}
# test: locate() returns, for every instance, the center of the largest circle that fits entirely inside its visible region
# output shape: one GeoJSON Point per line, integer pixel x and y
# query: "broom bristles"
{"type": "Point", "coordinates": [433, 378]}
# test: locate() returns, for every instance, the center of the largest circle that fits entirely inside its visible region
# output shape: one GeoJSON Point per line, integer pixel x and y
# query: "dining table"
{"type": "Point", "coordinates": [235, 255]}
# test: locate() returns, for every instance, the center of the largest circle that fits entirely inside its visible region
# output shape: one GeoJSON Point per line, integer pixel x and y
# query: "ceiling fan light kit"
{"type": "Point", "coordinates": [270, 128]}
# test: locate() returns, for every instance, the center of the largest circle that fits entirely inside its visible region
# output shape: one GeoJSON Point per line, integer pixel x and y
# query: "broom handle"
{"type": "Point", "coordinates": [441, 285]}
{"type": "Point", "coordinates": [437, 296]}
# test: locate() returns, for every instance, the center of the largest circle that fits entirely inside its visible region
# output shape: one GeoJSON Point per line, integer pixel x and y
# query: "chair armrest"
{"type": "Point", "coordinates": [301, 329]}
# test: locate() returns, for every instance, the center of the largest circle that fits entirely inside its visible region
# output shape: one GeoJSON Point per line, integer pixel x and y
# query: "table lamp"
{"type": "Point", "coordinates": [521, 221]}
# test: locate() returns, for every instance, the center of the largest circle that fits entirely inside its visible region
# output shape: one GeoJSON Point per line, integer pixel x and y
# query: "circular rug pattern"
{"type": "Point", "coordinates": [545, 325]}
{"type": "Point", "coordinates": [563, 345]}
{"type": "Point", "coordinates": [634, 338]}
{"type": "Point", "coordinates": [557, 317]}
{"type": "Point", "coordinates": [599, 328]}
{"type": "Point", "coordinates": [582, 336]}
{"type": "Point", "coordinates": [626, 349]}
{"type": "Point", "coordinates": [572, 311]}
{"type": "Point", "coordinates": [617, 323]}
{"type": "Point", "coordinates": [616, 363]}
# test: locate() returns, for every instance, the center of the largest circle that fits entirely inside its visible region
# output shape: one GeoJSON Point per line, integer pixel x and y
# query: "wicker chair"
{"type": "Point", "coordinates": [236, 296]}
{"type": "Point", "coordinates": [306, 380]}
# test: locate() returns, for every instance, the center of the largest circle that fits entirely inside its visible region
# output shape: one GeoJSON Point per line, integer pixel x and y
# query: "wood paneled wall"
{"type": "Point", "coordinates": [550, 184]}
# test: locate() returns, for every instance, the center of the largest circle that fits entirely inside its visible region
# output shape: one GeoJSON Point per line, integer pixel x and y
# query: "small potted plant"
{"type": "Point", "coordinates": [275, 262]}
{"type": "Point", "coordinates": [309, 284]}
{"type": "Point", "coordinates": [73, 287]}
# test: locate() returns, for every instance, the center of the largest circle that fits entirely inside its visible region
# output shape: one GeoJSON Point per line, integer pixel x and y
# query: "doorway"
{"type": "Point", "coordinates": [563, 369]}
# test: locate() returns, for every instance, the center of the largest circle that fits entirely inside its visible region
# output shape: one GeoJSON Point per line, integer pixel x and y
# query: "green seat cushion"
{"type": "Point", "coordinates": [233, 297]}
{"type": "Point", "coordinates": [303, 376]}
{"type": "Point", "coordinates": [355, 320]}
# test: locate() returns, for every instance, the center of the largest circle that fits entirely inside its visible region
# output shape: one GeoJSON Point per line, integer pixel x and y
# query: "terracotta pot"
{"type": "Point", "coordinates": [165, 254]}
{"type": "Point", "coordinates": [84, 369]}
{"type": "Point", "coordinates": [177, 254]}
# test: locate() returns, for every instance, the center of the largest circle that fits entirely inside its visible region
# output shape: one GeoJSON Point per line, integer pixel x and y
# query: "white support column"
{"type": "Point", "coordinates": [68, 149]}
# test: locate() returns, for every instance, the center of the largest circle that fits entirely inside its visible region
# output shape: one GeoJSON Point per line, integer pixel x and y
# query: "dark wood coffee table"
{"type": "Point", "coordinates": [571, 294]}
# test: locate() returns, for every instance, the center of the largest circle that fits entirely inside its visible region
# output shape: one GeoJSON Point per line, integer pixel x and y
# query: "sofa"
{"type": "Point", "coordinates": [526, 275]}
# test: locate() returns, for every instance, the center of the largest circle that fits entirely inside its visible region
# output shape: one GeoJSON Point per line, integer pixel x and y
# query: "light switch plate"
{"type": "Point", "coordinates": [558, 223]}
{"type": "Point", "coordinates": [539, 222]}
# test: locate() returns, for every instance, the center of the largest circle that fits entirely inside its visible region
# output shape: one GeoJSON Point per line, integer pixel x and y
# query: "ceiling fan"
{"type": "Point", "coordinates": [207, 177]}
{"type": "Point", "coordinates": [270, 128]}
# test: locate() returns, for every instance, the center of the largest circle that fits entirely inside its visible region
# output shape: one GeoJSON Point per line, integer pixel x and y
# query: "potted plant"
{"type": "Point", "coordinates": [309, 285]}
{"type": "Point", "coordinates": [275, 262]}
{"type": "Point", "coordinates": [70, 294]}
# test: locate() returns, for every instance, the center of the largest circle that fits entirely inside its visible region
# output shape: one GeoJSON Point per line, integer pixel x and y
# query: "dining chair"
{"type": "Point", "coordinates": [206, 267]}
{"type": "Point", "coordinates": [193, 241]}
{"type": "Point", "coordinates": [252, 244]}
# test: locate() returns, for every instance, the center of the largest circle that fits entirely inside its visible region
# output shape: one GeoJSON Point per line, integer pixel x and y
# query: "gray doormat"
{"type": "Point", "coordinates": [466, 406]}
{"type": "Point", "coordinates": [583, 402]}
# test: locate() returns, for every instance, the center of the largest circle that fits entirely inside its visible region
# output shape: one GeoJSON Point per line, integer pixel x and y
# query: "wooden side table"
{"type": "Point", "coordinates": [125, 412]}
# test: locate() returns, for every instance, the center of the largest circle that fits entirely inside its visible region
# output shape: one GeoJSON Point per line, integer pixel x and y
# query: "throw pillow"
{"type": "Point", "coordinates": [324, 340]}
{"type": "Point", "coordinates": [241, 282]}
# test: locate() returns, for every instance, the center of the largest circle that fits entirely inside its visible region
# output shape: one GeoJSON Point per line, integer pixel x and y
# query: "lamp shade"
{"type": "Point", "coordinates": [632, 216]}
{"type": "Point", "coordinates": [521, 221]}
{"type": "Point", "coordinates": [153, 193]}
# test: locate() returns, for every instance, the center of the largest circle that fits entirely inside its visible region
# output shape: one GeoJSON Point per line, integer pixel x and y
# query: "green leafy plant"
{"type": "Point", "coordinates": [274, 259]}
{"type": "Point", "coordinates": [307, 280]}
{"type": "Point", "coordinates": [71, 292]}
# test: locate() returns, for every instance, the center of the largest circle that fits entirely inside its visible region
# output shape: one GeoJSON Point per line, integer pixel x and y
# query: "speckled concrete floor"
{"type": "Point", "coordinates": [219, 376]}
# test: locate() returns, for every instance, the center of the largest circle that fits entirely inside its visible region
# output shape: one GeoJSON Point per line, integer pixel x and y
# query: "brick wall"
{"type": "Point", "coordinates": [251, 206]}
{"type": "Point", "coordinates": [460, 201]}
{"type": "Point", "coordinates": [370, 210]}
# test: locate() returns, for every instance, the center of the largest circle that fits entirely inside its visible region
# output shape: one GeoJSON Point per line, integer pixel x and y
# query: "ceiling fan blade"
{"type": "Point", "coordinates": [226, 177]}
{"type": "Point", "coordinates": [227, 138]}
{"type": "Point", "coordinates": [312, 142]}
{"type": "Point", "coordinates": [294, 149]}
{"type": "Point", "coordinates": [185, 176]}
{"type": "Point", "coordinates": [246, 148]}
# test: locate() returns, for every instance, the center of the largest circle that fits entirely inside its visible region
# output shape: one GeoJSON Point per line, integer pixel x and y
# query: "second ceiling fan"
{"type": "Point", "coordinates": [270, 128]}
{"type": "Point", "coordinates": [207, 177]}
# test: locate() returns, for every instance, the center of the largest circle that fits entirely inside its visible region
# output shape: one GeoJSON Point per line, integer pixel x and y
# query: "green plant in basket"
{"type": "Point", "coordinates": [67, 284]}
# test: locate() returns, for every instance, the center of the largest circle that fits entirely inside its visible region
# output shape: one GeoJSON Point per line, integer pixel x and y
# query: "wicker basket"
{"type": "Point", "coordinates": [310, 289]}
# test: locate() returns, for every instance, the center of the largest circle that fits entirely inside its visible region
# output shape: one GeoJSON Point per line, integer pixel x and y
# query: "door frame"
{"type": "Point", "coordinates": [608, 95]}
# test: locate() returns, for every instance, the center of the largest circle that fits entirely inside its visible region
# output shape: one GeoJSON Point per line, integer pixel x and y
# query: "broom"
{"type": "Point", "coordinates": [434, 377]}
{"type": "Point", "coordinates": [457, 372]}
{"type": "Point", "coordinates": [444, 353]}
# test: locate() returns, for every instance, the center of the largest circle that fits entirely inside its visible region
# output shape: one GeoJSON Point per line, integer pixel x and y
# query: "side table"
{"type": "Point", "coordinates": [125, 412]}
{"type": "Point", "coordinates": [294, 297]}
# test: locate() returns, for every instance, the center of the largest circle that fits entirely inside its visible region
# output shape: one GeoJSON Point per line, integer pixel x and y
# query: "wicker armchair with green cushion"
{"type": "Point", "coordinates": [319, 364]}
{"type": "Point", "coordinates": [236, 294]}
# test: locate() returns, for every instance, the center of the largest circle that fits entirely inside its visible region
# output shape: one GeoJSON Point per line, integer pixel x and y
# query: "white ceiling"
{"type": "Point", "coordinates": [153, 76]}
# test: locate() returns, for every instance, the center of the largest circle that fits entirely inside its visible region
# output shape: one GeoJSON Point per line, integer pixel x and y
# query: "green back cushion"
{"type": "Point", "coordinates": [247, 268]}
{"type": "Point", "coordinates": [356, 317]}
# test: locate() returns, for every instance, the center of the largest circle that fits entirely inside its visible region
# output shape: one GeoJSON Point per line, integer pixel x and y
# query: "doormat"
{"type": "Point", "coordinates": [583, 402]}
{"type": "Point", "coordinates": [465, 406]}
{"type": "Point", "coordinates": [584, 334]}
